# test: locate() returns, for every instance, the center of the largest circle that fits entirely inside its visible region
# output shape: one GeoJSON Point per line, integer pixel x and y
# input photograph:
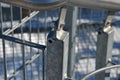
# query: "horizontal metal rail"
{"type": "Point", "coordinates": [25, 4]}
{"type": "Point", "coordinates": [28, 43]}
{"type": "Point", "coordinates": [112, 5]}
{"type": "Point", "coordinates": [33, 58]}
{"type": "Point", "coordinates": [24, 20]}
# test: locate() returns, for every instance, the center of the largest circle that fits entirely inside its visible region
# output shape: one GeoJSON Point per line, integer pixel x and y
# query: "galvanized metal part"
{"type": "Point", "coordinates": [42, 1]}
{"type": "Point", "coordinates": [104, 50]}
{"type": "Point", "coordinates": [111, 5]}
{"type": "Point", "coordinates": [62, 17]}
{"type": "Point", "coordinates": [35, 6]}
{"type": "Point", "coordinates": [109, 19]}
{"type": "Point", "coordinates": [71, 27]}
{"type": "Point", "coordinates": [57, 55]}
{"type": "Point", "coordinates": [96, 4]}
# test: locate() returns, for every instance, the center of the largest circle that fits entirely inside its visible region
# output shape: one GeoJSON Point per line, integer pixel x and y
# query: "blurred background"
{"type": "Point", "coordinates": [36, 29]}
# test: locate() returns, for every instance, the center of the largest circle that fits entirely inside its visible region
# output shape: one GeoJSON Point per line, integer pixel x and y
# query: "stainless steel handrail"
{"type": "Point", "coordinates": [111, 5]}
{"type": "Point", "coordinates": [35, 6]}
{"type": "Point", "coordinates": [97, 4]}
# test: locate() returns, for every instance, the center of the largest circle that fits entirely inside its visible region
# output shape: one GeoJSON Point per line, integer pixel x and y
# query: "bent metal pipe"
{"type": "Point", "coordinates": [111, 5]}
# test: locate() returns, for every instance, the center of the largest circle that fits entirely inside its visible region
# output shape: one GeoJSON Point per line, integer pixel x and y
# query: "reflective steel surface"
{"type": "Point", "coordinates": [42, 1]}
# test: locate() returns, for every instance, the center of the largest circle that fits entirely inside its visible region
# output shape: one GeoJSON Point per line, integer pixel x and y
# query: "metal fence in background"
{"type": "Point", "coordinates": [89, 25]}
{"type": "Point", "coordinates": [24, 37]}
{"type": "Point", "coordinates": [22, 51]}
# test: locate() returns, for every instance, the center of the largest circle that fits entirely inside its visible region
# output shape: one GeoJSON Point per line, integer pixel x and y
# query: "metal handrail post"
{"type": "Point", "coordinates": [57, 51]}
{"type": "Point", "coordinates": [104, 48]}
{"type": "Point", "coordinates": [71, 26]}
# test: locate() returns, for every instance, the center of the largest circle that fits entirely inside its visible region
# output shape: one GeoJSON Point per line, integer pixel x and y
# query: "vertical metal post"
{"type": "Point", "coordinates": [57, 55]}
{"type": "Point", "coordinates": [30, 39]}
{"type": "Point", "coordinates": [13, 49]}
{"type": "Point", "coordinates": [23, 48]}
{"type": "Point", "coordinates": [38, 35]}
{"type": "Point", "coordinates": [43, 66]}
{"type": "Point", "coordinates": [71, 26]}
{"type": "Point", "coordinates": [3, 43]}
{"type": "Point", "coordinates": [104, 49]}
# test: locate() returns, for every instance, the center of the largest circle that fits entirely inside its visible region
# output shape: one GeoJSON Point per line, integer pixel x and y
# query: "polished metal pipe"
{"type": "Point", "coordinates": [111, 5]}
{"type": "Point", "coordinates": [35, 5]}
{"type": "Point", "coordinates": [42, 1]}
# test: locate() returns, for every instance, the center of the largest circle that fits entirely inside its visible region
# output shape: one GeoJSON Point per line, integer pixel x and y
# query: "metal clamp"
{"type": "Point", "coordinates": [62, 16]}
{"type": "Point", "coordinates": [108, 21]}
{"type": "Point", "coordinates": [60, 23]}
